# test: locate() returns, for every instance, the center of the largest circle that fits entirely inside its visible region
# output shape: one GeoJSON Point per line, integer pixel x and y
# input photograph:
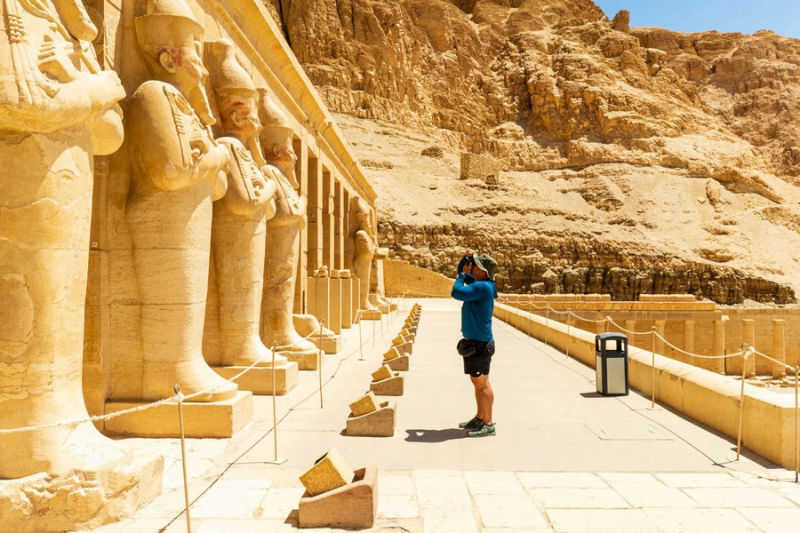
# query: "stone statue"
{"type": "Point", "coordinates": [58, 108]}
{"type": "Point", "coordinates": [239, 230]}
{"type": "Point", "coordinates": [177, 169]}
{"type": "Point", "coordinates": [283, 235]}
{"type": "Point", "coordinates": [364, 246]}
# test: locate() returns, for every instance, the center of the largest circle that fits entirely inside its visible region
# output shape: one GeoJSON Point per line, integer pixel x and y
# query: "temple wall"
{"type": "Point", "coordinates": [678, 313]}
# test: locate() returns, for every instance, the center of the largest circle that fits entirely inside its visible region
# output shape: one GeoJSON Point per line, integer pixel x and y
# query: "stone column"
{"type": "Point", "coordinates": [327, 220]}
{"type": "Point", "coordinates": [338, 223]}
{"type": "Point", "coordinates": [718, 365]}
{"type": "Point", "coordinates": [301, 287]}
{"type": "Point", "coordinates": [314, 214]}
{"type": "Point", "coordinates": [347, 301]}
{"type": "Point", "coordinates": [778, 346]}
{"type": "Point", "coordinates": [335, 304]}
{"type": "Point", "coordinates": [749, 339]}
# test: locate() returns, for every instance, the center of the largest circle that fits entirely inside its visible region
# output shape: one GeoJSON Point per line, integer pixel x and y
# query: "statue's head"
{"type": "Point", "coordinates": [237, 97]}
{"type": "Point", "coordinates": [277, 135]}
{"type": "Point", "coordinates": [360, 215]}
{"type": "Point", "coordinates": [171, 39]}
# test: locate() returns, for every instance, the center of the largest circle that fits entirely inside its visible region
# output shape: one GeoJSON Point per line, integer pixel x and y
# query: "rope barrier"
{"type": "Point", "coordinates": [175, 399]}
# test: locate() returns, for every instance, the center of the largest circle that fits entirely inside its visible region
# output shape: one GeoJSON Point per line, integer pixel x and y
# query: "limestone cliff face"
{"type": "Point", "coordinates": [562, 95]}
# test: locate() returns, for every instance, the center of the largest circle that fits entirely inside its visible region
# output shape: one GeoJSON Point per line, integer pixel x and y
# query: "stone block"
{"type": "Point", "coordinates": [399, 363]}
{"type": "Point", "coordinates": [258, 380]}
{"type": "Point", "coordinates": [329, 344]}
{"type": "Point", "coordinates": [379, 423]}
{"type": "Point", "coordinates": [364, 405]}
{"type": "Point", "coordinates": [353, 506]}
{"type": "Point", "coordinates": [392, 386]}
{"type": "Point", "coordinates": [370, 314]}
{"type": "Point", "coordinates": [200, 419]}
{"type": "Point", "coordinates": [305, 360]}
{"type": "Point", "coordinates": [329, 472]}
{"type": "Point", "coordinates": [382, 373]}
{"type": "Point", "coordinates": [112, 489]}
{"type": "Point", "coordinates": [390, 354]}
{"type": "Point", "coordinates": [335, 306]}
{"type": "Point", "coordinates": [405, 349]}
{"type": "Point", "coordinates": [400, 339]}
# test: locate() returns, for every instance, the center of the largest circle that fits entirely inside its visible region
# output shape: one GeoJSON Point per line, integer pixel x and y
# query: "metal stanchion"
{"type": "Point", "coordinates": [319, 365]}
{"type": "Point", "coordinates": [275, 460]}
{"type": "Point", "coordinates": [177, 389]}
{"type": "Point", "coordinates": [547, 326]}
{"type": "Point", "coordinates": [796, 426]}
{"type": "Point", "coordinates": [569, 335]}
{"type": "Point", "coordinates": [360, 336]}
{"type": "Point", "coordinates": [653, 370]}
{"type": "Point", "coordinates": [745, 355]}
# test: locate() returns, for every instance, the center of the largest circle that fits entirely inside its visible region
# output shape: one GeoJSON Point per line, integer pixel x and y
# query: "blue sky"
{"type": "Point", "coordinates": [745, 16]}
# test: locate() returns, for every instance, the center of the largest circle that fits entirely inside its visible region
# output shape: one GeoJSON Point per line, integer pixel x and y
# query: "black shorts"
{"type": "Point", "coordinates": [478, 364]}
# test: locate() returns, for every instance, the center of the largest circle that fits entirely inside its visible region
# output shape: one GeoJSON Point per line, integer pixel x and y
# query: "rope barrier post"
{"type": "Point", "coordinates": [745, 355]}
{"type": "Point", "coordinates": [319, 361]}
{"type": "Point", "coordinates": [653, 369]}
{"type": "Point", "coordinates": [275, 460]}
{"type": "Point", "coordinates": [796, 426]}
{"type": "Point", "coordinates": [360, 336]}
{"type": "Point", "coordinates": [547, 326]}
{"type": "Point", "coordinates": [177, 389]}
{"type": "Point", "coordinates": [569, 335]}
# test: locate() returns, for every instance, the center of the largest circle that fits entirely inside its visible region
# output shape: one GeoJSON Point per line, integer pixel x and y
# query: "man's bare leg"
{"type": "Point", "coordinates": [484, 395]}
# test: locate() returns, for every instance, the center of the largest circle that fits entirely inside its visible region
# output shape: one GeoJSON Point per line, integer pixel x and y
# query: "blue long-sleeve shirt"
{"type": "Point", "coordinates": [477, 309]}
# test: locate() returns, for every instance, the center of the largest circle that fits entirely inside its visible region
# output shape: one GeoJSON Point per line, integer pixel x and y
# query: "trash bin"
{"type": "Point", "coordinates": [611, 363]}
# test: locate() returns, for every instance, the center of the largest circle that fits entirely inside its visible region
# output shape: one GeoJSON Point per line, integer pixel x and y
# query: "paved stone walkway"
{"type": "Point", "coordinates": [563, 460]}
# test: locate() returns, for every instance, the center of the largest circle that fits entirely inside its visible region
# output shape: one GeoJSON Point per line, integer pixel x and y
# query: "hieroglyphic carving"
{"type": "Point", "coordinates": [58, 108]}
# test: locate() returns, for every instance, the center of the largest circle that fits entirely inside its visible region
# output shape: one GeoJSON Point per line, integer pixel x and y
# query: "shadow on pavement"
{"type": "Point", "coordinates": [434, 435]}
{"type": "Point", "coordinates": [598, 395]}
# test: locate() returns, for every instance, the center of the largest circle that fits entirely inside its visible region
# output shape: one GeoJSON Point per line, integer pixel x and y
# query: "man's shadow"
{"type": "Point", "coordinates": [434, 435]}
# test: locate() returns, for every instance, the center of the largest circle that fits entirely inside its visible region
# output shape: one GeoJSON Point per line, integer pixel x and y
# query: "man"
{"type": "Point", "coordinates": [475, 287]}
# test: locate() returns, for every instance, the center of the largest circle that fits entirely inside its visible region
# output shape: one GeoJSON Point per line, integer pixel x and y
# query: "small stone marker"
{"type": "Point", "coordinates": [391, 386]}
{"type": "Point", "coordinates": [364, 405]}
{"type": "Point", "coordinates": [384, 372]}
{"type": "Point", "coordinates": [379, 423]}
{"type": "Point", "coordinates": [391, 354]}
{"type": "Point", "coordinates": [399, 363]}
{"type": "Point", "coordinates": [353, 506]}
{"type": "Point", "coordinates": [329, 472]}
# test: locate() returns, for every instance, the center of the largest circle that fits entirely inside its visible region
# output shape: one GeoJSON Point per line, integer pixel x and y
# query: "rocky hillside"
{"type": "Point", "coordinates": [636, 159]}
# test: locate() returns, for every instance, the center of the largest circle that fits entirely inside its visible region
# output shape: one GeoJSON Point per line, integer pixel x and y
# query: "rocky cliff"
{"type": "Point", "coordinates": [636, 159]}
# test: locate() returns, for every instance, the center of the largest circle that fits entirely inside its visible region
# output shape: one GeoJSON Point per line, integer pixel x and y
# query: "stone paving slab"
{"type": "Point", "coordinates": [563, 461]}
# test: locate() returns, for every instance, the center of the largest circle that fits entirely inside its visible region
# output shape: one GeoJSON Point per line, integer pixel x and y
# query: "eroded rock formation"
{"type": "Point", "coordinates": [625, 121]}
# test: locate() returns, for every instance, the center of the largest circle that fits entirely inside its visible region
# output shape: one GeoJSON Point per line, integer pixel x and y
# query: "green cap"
{"type": "Point", "coordinates": [486, 263]}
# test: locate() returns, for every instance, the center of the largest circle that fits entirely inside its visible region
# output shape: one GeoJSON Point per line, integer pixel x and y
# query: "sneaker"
{"type": "Point", "coordinates": [484, 431]}
{"type": "Point", "coordinates": [474, 423]}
